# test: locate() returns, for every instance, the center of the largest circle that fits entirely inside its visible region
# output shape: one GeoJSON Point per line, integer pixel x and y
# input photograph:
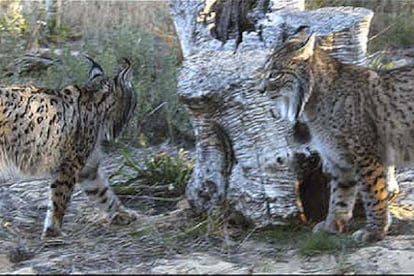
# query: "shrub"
{"type": "Point", "coordinates": [162, 175]}
{"type": "Point", "coordinates": [391, 27]}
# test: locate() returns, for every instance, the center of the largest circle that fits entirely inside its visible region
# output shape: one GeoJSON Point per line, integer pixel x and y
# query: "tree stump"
{"type": "Point", "coordinates": [240, 141]}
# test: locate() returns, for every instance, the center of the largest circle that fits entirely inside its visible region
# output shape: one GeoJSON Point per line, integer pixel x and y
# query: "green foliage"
{"type": "Point", "coordinates": [13, 28]}
{"type": "Point", "coordinates": [313, 243]}
{"type": "Point", "coordinates": [307, 242]}
{"type": "Point", "coordinates": [314, 4]}
{"type": "Point", "coordinates": [67, 70]}
{"type": "Point", "coordinates": [282, 234]}
{"type": "Point", "coordinates": [161, 175]}
{"type": "Point", "coordinates": [159, 115]}
{"type": "Point", "coordinates": [57, 33]}
{"type": "Point", "coordinates": [12, 20]}
{"type": "Point", "coordinates": [397, 34]}
{"type": "Point", "coordinates": [392, 26]}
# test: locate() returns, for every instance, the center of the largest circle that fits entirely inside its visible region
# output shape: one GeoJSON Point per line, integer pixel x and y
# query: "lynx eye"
{"type": "Point", "coordinates": [276, 76]}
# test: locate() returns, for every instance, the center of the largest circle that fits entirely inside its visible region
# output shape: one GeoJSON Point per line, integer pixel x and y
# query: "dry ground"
{"type": "Point", "coordinates": [171, 241]}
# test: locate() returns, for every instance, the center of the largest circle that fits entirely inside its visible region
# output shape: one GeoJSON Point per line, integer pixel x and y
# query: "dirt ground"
{"type": "Point", "coordinates": [172, 242]}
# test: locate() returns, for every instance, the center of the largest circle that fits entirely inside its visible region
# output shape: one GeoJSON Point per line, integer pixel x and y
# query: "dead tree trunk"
{"type": "Point", "coordinates": [239, 140]}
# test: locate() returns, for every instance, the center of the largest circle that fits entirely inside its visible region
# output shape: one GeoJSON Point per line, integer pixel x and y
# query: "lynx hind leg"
{"type": "Point", "coordinates": [59, 196]}
{"type": "Point", "coordinates": [392, 184]}
{"type": "Point", "coordinates": [343, 192]}
{"type": "Point", "coordinates": [374, 196]}
{"type": "Point", "coordinates": [96, 187]}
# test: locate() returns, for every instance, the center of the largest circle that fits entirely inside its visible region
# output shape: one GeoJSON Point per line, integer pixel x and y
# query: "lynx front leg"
{"type": "Point", "coordinates": [59, 197]}
{"type": "Point", "coordinates": [341, 203]}
{"type": "Point", "coordinates": [392, 184]}
{"type": "Point", "coordinates": [96, 187]}
{"type": "Point", "coordinates": [374, 195]}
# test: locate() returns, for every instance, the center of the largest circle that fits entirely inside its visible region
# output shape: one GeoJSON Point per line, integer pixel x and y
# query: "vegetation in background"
{"type": "Point", "coordinates": [398, 33]}
{"type": "Point", "coordinates": [13, 29]}
{"type": "Point", "coordinates": [12, 20]}
{"type": "Point", "coordinates": [159, 116]}
{"type": "Point", "coordinates": [392, 26]}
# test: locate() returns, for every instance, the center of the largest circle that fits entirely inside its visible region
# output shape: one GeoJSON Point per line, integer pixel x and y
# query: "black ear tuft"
{"type": "Point", "coordinates": [96, 70]}
{"type": "Point", "coordinates": [127, 61]}
{"type": "Point", "coordinates": [302, 39]}
{"type": "Point", "coordinates": [302, 28]}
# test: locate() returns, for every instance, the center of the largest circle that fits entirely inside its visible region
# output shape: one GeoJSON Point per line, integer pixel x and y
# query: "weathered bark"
{"type": "Point", "coordinates": [230, 18]}
{"type": "Point", "coordinates": [240, 141]}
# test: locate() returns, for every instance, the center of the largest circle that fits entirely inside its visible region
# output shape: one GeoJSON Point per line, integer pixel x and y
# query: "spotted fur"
{"type": "Point", "coordinates": [361, 123]}
{"type": "Point", "coordinates": [59, 133]}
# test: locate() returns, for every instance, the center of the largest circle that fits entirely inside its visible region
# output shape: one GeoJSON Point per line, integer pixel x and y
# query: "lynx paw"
{"type": "Point", "coordinates": [324, 226]}
{"type": "Point", "coordinates": [365, 236]}
{"type": "Point", "coordinates": [50, 232]}
{"type": "Point", "coordinates": [124, 217]}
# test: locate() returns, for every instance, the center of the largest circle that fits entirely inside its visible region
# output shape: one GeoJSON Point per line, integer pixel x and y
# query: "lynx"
{"type": "Point", "coordinates": [361, 123]}
{"type": "Point", "coordinates": [59, 133]}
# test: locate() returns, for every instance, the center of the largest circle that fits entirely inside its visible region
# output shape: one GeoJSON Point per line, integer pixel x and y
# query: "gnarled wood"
{"type": "Point", "coordinates": [240, 141]}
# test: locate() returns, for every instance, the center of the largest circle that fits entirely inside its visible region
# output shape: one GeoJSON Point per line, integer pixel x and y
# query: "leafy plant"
{"type": "Point", "coordinates": [161, 175]}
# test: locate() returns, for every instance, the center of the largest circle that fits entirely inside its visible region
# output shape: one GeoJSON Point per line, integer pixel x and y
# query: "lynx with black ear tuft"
{"type": "Point", "coordinates": [58, 133]}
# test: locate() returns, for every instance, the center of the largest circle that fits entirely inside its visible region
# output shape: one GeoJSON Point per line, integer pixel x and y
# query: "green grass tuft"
{"type": "Point", "coordinates": [318, 243]}
{"type": "Point", "coordinates": [161, 175]}
{"type": "Point", "coordinates": [308, 243]}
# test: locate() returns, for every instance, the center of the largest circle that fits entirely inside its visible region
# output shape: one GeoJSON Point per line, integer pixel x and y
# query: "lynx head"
{"type": "Point", "coordinates": [115, 97]}
{"type": "Point", "coordinates": [287, 77]}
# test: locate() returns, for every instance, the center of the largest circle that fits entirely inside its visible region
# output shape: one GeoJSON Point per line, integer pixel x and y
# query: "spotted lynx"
{"type": "Point", "coordinates": [59, 132]}
{"type": "Point", "coordinates": [361, 123]}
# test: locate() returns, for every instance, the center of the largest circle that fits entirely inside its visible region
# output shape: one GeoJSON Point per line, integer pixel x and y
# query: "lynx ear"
{"type": "Point", "coordinates": [124, 76]}
{"type": "Point", "coordinates": [126, 97]}
{"type": "Point", "coordinates": [306, 51]}
{"type": "Point", "coordinates": [299, 36]}
{"type": "Point", "coordinates": [95, 71]}
{"type": "Point", "coordinates": [302, 43]}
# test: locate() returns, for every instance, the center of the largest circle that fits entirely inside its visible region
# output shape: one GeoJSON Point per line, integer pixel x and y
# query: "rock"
{"type": "Point", "coordinates": [197, 263]}
{"type": "Point", "coordinates": [24, 270]}
{"type": "Point", "coordinates": [5, 263]}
